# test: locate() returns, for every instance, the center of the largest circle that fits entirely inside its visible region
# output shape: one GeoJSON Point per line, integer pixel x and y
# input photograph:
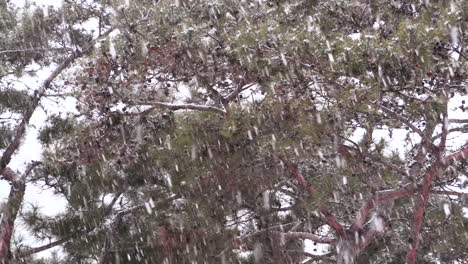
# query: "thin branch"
{"type": "Point", "coordinates": [109, 207]}
{"type": "Point", "coordinates": [268, 229]}
{"type": "Point", "coordinates": [387, 164]}
{"type": "Point", "coordinates": [462, 129]}
{"type": "Point", "coordinates": [288, 235]}
{"type": "Point", "coordinates": [34, 50]}
{"type": "Point", "coordinates": [175, 107]}
{"type": "Point", "coordinates": [238, 89]}
{"type": "Point", "coordinates": [410, 125]}
{"type": "Point", "coordinates": [459, 155]}
{"type": "Point", "coordinates": [448, 192]}
{"type": "Point", "coordinates": [443, 138]}
{"type": "Point", "coordinates": [30, 251]}
{"type": "Point", "coordinates": [458, 121]}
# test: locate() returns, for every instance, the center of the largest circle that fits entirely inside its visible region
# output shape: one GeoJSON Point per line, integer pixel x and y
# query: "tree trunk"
{"type": "Point", "coordinates": [9, 211]}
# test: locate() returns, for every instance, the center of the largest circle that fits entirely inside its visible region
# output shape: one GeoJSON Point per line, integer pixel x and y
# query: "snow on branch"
{"type": "Point", "coordinates": [175, 107]}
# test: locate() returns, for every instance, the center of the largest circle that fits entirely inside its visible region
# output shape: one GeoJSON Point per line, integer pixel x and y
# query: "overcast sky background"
{"type": "Point", "coordinates": [51, 204]}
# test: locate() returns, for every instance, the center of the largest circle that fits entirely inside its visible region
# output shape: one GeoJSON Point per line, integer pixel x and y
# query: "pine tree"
{"type": "Point", "coordinates": [276, 141]}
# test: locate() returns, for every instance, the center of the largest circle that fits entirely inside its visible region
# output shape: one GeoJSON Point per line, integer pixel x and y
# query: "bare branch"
{"type": "Point", "coordinates": [459, 121]}
{"type": "Point", "coordinates": [30, 251]}
{"type": "Point", "coordinates": [175, 107]}
{"type": "Point", "coordinates": [238, 89]}
{"type": "Point", "coordinates": [291, 234]}
{"type": "Point", "coordinates": [455, 193]}
{"type": "Point", "coordinates": [462, 129]}
{"type": "Point", "coordinates": [443, 139]}
{"type": "Point", "coordinates": [34, 50]}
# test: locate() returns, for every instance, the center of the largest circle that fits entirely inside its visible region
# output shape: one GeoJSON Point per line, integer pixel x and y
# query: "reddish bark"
{"type": "Point", "coordinates": [435, 170]}
{"type": "Point", "coordinates": [9, 213]}
{"type": "Point", "coordinates": [380, 198]}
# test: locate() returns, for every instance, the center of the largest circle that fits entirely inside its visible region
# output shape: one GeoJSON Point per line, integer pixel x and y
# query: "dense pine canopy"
{"type": "Point", "coordinates": [269, 131]}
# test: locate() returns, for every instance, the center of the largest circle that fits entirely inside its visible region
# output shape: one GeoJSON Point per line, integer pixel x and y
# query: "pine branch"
{"type": "Point", "coordinates": [328, 217]}
{"type": "Point", "coordinates": [291, 234]}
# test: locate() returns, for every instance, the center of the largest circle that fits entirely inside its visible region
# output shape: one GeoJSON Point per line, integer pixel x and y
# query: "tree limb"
{"type": "Point", "coordinates": [30, 251]}
{"type": "Point", "coordinates": [434, 171]}
{"type": "Point", "coordinates": [380, 198]}
{"type": "Point", "coordinates": [11, 208]}
{"type": "Point", "coordinates": [443, 192]}
{"type": "Point", "coordinates": [459, 121]}
{"type": "Point", "coordinates": [175, 107]}
{"type": "Point", "coordinates": [34, 50]}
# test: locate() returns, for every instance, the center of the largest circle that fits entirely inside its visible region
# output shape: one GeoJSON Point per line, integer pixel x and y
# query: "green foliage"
{"type": "Point", "coordinates": [57, 129]}
{"type": "Point", "coordinates": [13, 100]}
{"type": "Point", "coordinates": [184, 184]}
